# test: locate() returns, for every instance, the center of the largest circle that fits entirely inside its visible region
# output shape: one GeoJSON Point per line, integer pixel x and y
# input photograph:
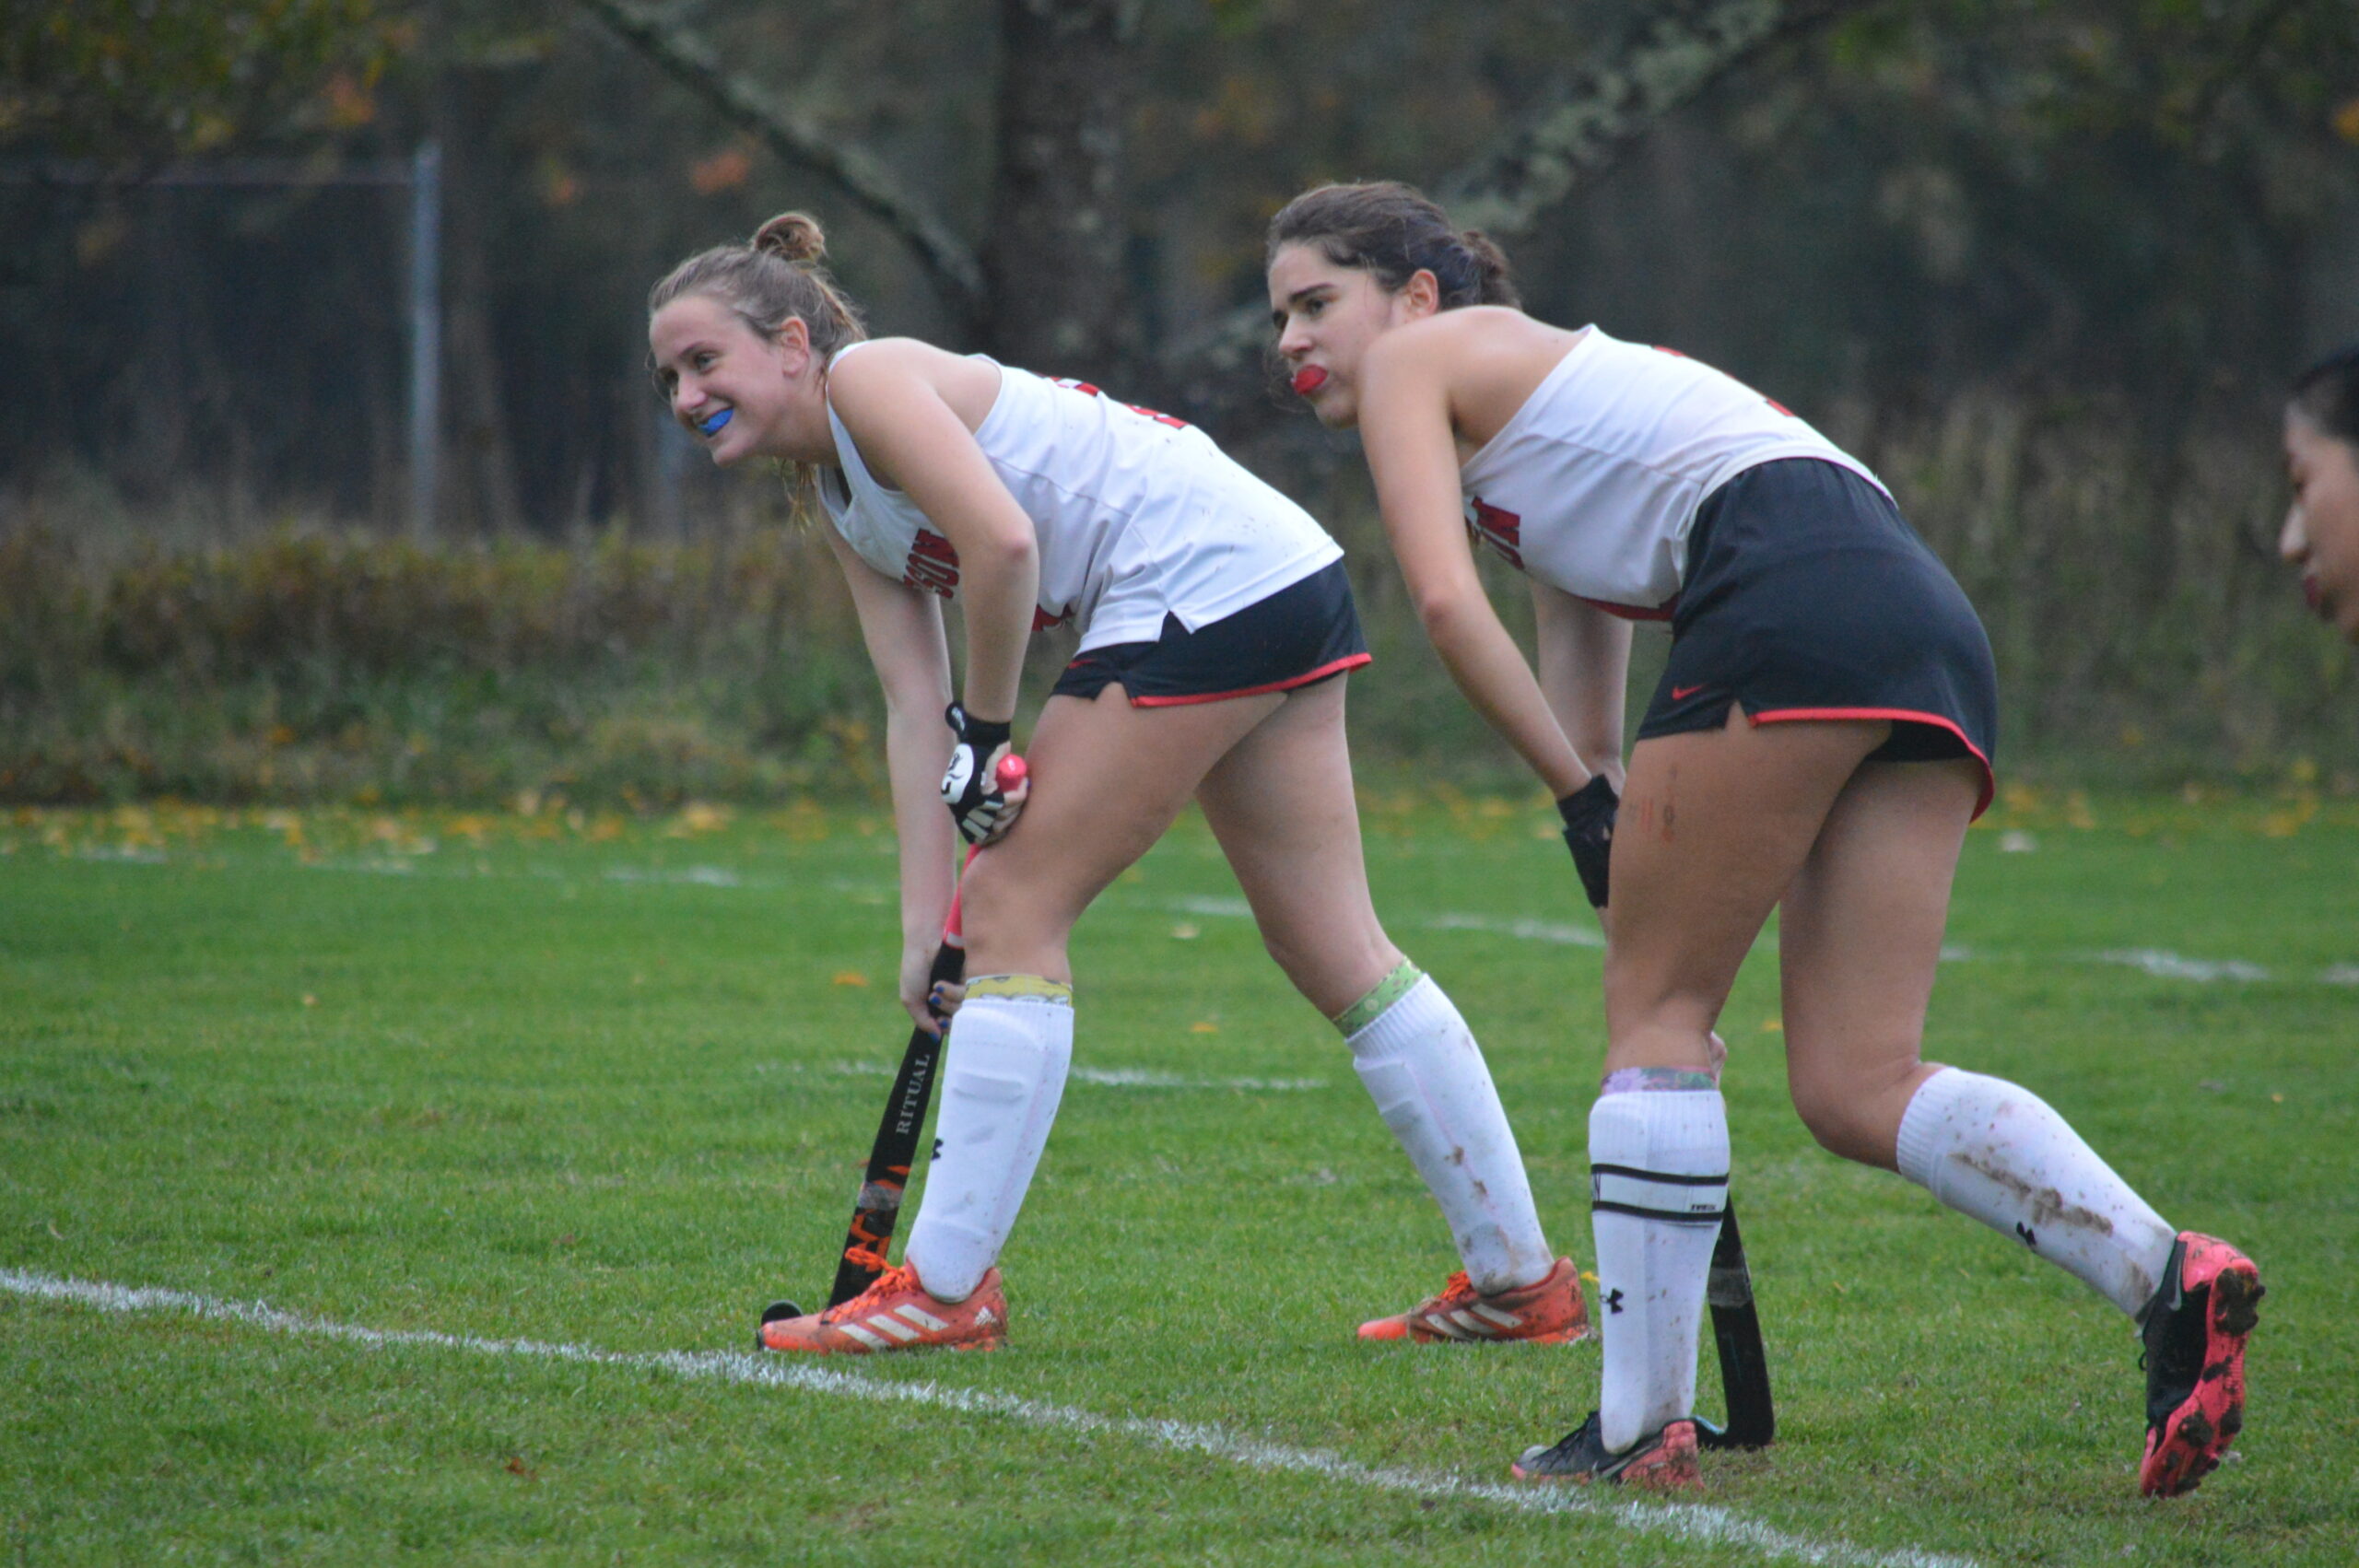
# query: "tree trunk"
{"type": "Point", "coordinates": [1052, 261]}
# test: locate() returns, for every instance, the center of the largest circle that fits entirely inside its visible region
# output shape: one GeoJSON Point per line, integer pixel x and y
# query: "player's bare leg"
{"type": "Point", "coordinates": [1712, 827]}
{"type": "Point", "coordinates": [1107, 780]}
{"type": "Point", "coordinates": [1281, 805]}
{"type": "Point", "coordinates": [1860, 939]}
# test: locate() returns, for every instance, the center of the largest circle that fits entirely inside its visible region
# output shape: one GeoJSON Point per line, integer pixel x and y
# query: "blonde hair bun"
{"type": "Point", "coordinates": [792, 237]}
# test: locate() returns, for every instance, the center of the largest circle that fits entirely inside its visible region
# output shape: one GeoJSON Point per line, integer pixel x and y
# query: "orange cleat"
{"type": "Point", "coordinates": [1548, 1312]}
{"type": "Point", "coordinates": [1664, 1461]}
{"type": "Point", "coordinates": [896, 1314]}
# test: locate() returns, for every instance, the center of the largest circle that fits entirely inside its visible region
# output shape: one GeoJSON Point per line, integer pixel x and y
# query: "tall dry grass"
{"type": "Point", "coordinates": [2144, 634]}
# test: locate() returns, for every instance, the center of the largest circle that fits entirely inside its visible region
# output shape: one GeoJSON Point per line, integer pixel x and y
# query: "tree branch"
{"type": "Point", "coordinates": [1684, 51]}
{"type": "Point", "coordinates": [1577, 135]}
{"type": "Point", "coordinates": [690, 61]}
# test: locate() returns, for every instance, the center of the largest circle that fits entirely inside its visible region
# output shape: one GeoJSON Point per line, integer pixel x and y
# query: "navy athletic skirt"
{"type": "Point", "coordinates": [1306, 631]}
{"type": "Point", "coordinates": [1809, 596]}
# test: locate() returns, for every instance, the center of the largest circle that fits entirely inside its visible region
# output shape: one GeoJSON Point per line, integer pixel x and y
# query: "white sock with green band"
{"type": "Point", "coordinates": [1431, 1086]}
{"type": "Point", "coordinates": [1998, 1152]}
{"type": "Point", "coordinates": [1003, 1072]}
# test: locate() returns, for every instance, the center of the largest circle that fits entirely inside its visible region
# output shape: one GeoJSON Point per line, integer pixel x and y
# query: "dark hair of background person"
{"type": "Point", "coordinates": [1393, 231]}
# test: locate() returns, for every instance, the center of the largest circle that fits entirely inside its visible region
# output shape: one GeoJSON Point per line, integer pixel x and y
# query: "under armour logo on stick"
{"type": "Point", "coordinates": [1613, 1302]}
{"type": "Point", "coordinates": [2030, 1239]}
{"type": "Point", "coordinates": [937, 1149]}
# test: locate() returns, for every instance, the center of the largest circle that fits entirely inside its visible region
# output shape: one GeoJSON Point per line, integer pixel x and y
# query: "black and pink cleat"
{"type": "Point", "coordinates": [2194, 1330]}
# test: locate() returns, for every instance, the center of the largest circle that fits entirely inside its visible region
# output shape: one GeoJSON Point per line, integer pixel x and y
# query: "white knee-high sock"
{"type": "Point", "coordinates": [1999, 1154]}
{"type": "Point", "coordinates": [1002, 1075]}
{"type": "Point", "coordinates": [1422, 1066]}
{"type": "Point", "coordinates": [1658, 1182]}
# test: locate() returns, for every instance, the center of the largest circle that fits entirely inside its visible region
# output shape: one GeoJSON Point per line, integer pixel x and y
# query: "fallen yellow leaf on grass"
{"type": "Point", "coordinates": [851, 977]}
{"type": "Point", "coordinates": [1200, 1027]}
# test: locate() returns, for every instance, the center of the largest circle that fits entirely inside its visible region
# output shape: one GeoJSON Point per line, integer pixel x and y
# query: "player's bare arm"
{"type": "Point", "coordinates": [1406, 429]}
{"type": "Point", "coordinates": [1581, 655]}
{"type": "Point", "coordinates": [891, 397]}
{"type": "Point", "coordinates": [902, 628]}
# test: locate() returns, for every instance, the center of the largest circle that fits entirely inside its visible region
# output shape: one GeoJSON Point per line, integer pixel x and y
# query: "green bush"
{"type": "Point", "coordinates": [2144, 633]}
{"type": "Point", "coordinates": [307, 666]}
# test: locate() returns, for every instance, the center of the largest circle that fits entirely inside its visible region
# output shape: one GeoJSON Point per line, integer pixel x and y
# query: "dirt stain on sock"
{"type": "Point", "coordinates": [2047, 1205]}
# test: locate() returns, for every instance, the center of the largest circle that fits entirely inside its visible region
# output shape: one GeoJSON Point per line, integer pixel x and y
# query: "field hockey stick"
{"type": "Point", "coordinates": [891, 1158]}
{"type": "Point", "coordinates": [1736, 1329]}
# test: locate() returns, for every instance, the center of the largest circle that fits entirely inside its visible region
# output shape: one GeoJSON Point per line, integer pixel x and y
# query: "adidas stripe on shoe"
{"type": "Point", "coordinates": [1548, 1312]}
{"type": "Point", "coordinates": [896, 1314]}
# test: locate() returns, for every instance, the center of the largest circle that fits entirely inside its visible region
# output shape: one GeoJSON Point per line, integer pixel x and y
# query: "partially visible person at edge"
{"type": "Point", "coordinates": [2322, 535]}
{"type": "Point", "coordinates": [1819, 742]}
{"type": "Point", "coordinates": [1216, 628]}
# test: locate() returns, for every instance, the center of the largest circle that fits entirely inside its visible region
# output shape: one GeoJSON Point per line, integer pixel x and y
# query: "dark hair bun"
{"type": "Point", "coordinates": [1490, 267]}
{"type": "Point", "coordinates": [792, 237]}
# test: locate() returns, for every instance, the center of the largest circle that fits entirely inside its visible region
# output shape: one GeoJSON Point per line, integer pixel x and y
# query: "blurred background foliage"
{"type": "Point", "coordinates": [2047, 264]}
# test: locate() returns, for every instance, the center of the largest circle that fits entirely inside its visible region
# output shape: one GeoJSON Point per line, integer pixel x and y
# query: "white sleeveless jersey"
{"type": "Point", "coordinates": [1592, 486]}
{"type": "Point", "coordinates": [1139, 515]}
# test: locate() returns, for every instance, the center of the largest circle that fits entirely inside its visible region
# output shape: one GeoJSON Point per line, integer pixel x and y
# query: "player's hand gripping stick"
{"type": "Point", "coordinates": [878, 1208]}
{"type": "Point", "coordinates": [972, 787]}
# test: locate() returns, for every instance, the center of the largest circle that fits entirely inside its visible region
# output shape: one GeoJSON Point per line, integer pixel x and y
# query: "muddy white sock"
{"type": "Point", "coordinates": [1997, 1152]}
{"type": "Point", "coordinates": [1004, 1071]}
{"type": "Point", "coordinates": [1422, 1066]}
{"type": "Point", "coordinates": [1658, 1182]}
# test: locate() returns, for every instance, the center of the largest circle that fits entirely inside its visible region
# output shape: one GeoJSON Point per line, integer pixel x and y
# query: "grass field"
{"type": "Point", "coordinates": [605, 1083]}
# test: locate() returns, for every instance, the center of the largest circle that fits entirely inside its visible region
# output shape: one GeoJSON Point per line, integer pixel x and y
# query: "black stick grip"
{"type": "Point", "coordinates": [895, 1150]}
{"type": "Point", "coordinates": [1736, 1331]}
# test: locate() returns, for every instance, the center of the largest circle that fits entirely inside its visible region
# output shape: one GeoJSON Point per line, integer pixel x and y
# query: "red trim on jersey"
{"type": "Point", "coordinates": [1351, 663]}
{"type": "Point", "coordinates": [1989, 778]}
{"type": "Point", "coordinates": [1632, 611]}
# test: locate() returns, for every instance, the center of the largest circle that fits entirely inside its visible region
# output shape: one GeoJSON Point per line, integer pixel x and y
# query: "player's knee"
{"type": "Point", "coordinates": [999, 906]}
{"type": "Point", "coordinates": [1847, 1118]}
{"type": "Point", "coordinates": [1659, 1024]}
{"type": "Point", "coordinates": [1334, 972]}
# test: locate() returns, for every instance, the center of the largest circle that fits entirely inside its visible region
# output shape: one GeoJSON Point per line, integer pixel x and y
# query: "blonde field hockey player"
{"type": "Point", "coordinates": [1821, 738]}
{"type": "Point", "coordinates": [1216, 635]}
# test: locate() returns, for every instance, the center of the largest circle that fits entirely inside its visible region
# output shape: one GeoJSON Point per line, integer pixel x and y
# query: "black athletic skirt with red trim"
{"type": "Point", "coordinates": [1809, 596]}
{"type": "Point", "coordinates": [1306, 631]}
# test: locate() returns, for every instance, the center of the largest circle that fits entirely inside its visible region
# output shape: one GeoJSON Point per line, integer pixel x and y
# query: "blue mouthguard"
{"type": "Point", "coordinates": [712, 426]}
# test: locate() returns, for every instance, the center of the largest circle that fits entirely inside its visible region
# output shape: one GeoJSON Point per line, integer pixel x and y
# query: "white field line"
{"type": "Point", "coordinates": [2166, 966]}
{"type": "Point", "coordinates": [1521, 930]}
{"type": "Point", "coordinates": [1692, 1522]}
{"type": "Point", "coordinates": [1128, 1077]}
{"type": "Point", "coordinates": [2160, 963]}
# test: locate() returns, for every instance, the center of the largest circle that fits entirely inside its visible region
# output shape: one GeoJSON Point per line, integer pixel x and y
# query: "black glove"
{"type": "Point", "coordinates": [970, 788]}
{"type": "Point", "coordinates": [1589, 833]}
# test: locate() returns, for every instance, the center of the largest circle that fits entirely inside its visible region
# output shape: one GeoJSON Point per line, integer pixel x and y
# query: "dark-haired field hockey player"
{"type": "Point", "coordinates": [1821, 738]}
{"type": "Point", "coordinates": [2322, 535]}
{"type": "Point", "coordinates": [1215, 630]}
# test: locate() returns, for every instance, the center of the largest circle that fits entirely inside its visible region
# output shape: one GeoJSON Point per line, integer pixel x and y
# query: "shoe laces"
{"type": "Point", "coordinates": [1458, 1287]}
{"type": "Point", "coordinates": [890, 1282]}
